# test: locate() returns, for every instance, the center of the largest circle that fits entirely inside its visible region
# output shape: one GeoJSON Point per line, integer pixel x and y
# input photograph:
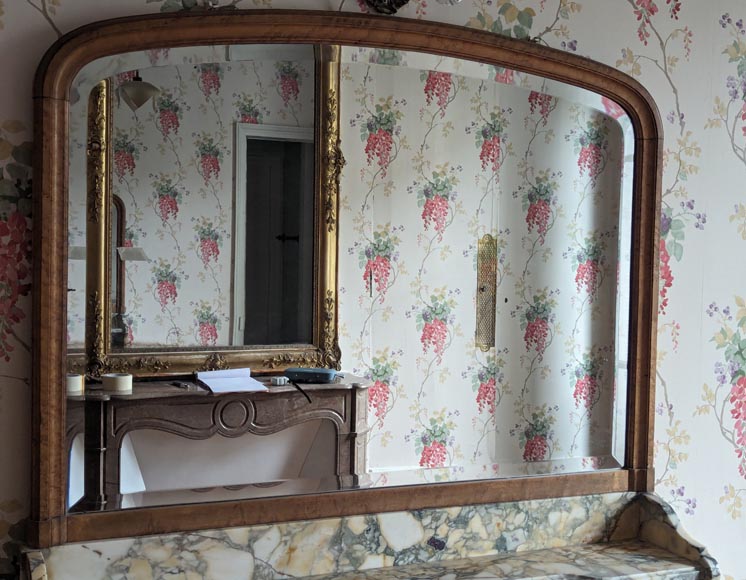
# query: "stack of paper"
{"type": "Point", "coordinates": [230, 381]}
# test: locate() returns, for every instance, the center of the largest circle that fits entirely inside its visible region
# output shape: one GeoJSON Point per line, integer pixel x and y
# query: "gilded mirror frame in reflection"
{"type": "Point", "coordinates": [99, 356]}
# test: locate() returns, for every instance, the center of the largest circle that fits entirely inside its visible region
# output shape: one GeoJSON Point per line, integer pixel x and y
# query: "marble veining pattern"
{"type": "Point", "coordinates": [600, 561]}
{"type": "Point", "coordinates": [513, 534]}
{"type": "Point", "coordinates": [299, 549]}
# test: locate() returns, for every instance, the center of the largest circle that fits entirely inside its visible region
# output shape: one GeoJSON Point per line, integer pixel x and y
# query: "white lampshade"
{"type": "Point", "coordinates": [132, 254]}
{"type": "Point", "coordinates": [137, 92]}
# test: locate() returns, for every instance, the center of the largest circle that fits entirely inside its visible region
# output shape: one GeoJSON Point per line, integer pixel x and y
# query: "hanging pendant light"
{"type": "Point", "coordinates": [137, 92]}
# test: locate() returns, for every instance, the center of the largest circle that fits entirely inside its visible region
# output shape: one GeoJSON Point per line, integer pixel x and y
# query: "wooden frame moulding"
{"type": "Point", "coordinates": [49, 522]}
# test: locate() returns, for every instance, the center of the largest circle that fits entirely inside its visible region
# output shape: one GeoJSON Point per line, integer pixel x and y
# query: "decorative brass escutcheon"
{"type": "Point", "coordinates": [486, 292]}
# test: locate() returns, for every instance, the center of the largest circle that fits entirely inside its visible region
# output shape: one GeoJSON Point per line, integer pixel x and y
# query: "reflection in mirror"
{"type": "Point", "coordinates": [174, 170]}
{"type": "Point", "coordinates": [272, 275]}
{"type": "Point", "coordinates": [441, 154]}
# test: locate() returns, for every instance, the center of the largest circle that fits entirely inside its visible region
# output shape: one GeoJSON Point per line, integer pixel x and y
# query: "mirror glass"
{"type": "Point", "coordinates": [462, 181]}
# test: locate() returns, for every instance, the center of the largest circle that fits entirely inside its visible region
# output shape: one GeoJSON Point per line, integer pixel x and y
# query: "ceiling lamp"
{"type": "Point", "coordinates": [137, 92]}
{"type": "Point", "coordinates": [392, 6]}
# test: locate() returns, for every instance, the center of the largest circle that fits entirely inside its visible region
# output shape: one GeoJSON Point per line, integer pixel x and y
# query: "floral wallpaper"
{"type": "Point", "coordinates": [688, 54]}
{"type": "Point", "coordinates": [436, 159]}
{"type": "Point", "coordinates": [173, 171]}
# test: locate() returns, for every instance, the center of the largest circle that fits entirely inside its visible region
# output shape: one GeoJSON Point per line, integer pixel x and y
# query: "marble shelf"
{"type": "Point", "coordinates": [614, 536]}
{"type": "Point", "coordinates": [615, 561]}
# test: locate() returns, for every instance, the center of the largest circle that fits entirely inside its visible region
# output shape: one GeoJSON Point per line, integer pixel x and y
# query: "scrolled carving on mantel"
{"type": "Point", "coordinates": [386, 6]}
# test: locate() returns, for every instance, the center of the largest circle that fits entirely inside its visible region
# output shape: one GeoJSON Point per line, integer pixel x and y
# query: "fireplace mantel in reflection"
{"type": "Point", "coordinates": [190, 411]}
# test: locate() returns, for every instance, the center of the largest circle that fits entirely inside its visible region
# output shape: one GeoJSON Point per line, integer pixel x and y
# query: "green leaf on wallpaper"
{"type": "Point", "coordinates": [7, 189]}
{"type": "Point", "coordinates": [23, 153]}
{"type": "Point", "coordinates": [508, 11]}
{"type": "Point", "coordinates": [520, 32]}
{"type": "Point", "coordinates": [525, 18]}
{"type": "Point", "coordinates": [17, 171]}
{"type": "Point", "coordinates": [742, 67]}
{"type": "Point", "coordinates": [24, 206]}
{"type": "Point", "coordinates": [677, 251]}
{"type": "Point", "coordinates": [13, 126]}
{"type": "Point", "coordinates": [6, 148]}
{"type": "Point", "coordinates": [733, 52]}
{"type": "Point", "coordinates": [497, 27]}
{"type": "Point", "coordinates": [677, 235]}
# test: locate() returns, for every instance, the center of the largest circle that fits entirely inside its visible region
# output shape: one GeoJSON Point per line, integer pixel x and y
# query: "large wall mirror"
{"type": "Point", "coordinates": [464, 224]}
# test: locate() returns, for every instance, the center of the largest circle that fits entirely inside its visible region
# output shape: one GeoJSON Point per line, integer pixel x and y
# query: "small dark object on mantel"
{"type": "Point", "coordinates": [386, 6]}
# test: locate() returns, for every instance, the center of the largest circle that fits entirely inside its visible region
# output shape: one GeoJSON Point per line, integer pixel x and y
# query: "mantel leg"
{"type": "Point", "coordinates": [94, 497]}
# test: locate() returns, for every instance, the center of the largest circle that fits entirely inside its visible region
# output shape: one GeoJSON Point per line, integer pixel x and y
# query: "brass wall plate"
{"type": "Point", "coordinates": [486, 292]}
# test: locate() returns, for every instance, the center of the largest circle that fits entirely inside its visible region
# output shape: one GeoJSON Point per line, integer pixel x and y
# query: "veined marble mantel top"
{"type": "Point", "coordinates": [612, 561]}
{"type": "Point", "coordinates": [609, 536]}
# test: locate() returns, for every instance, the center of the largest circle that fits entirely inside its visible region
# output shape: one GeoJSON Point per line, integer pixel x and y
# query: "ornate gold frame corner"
{"type": "Point", "coordinates": [99, 357]}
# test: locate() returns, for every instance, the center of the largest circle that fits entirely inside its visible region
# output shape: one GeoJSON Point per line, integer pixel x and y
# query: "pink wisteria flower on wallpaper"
{"type": "Point", "coordinates": [248, 110]}
{"type": "Point", "coordinates": [15, 271]}
{"type": "Point", "coordinates": [169, 113]}
{"type": "Point", "coordinates": [726, 401]}
{"type": "Point", "coordinates": [383, 374]}
{"type": "Point", "coordinates": [288, 78]}
{"type": "Point", "coordinates": [587, 378]}
{"type": "Point", "coordinates": [542, 103]}
{"type": "Point", "coordinates": [166, 283]}
{"type": "Point", "coordinates": [432, 440]}
{"type": "Point", "coordinates": [208, 239]}
{"type": "Point", "coordinates": [210, 78]}
{"type": "Point", "coordinates": [435, 197]}
{"type": "Point", "coordinates": [209, 156]}
{"type": "Point", "coordinates": [434, 319]}
{"type": "Point", "coordinates": [207, 323]}
{"type": "Point", "coordinates": [537, 319]}
{"type": "Point", "coordinates": [438, 87]}
{"type": "Point", "coordinates": [167, 198]}
{"type": "Point", "coordinates": [489, 140]}
{"type": "Point", "coordinates": [126, 154]}
{"type": "Point", "coordinates": [502, 75]}
{"type": "Point", "coordinates": [588, 259]}
{"type": "Point", "coordinates": [376, 259]}
{"type": "Point", "coordinates": [666, 277]}
{"type": "Point", "coordinates": [378, 134]}
{"type": "Point", "coordinates": [591, 146]}
{"type": "Point", "coordinates": [484, 381]}
{"type": "Point", "coordinates": [535, 435]}
{"type": "Point", "coordinates": [539, 201]}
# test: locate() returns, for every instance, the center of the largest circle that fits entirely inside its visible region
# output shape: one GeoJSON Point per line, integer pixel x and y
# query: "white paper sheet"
{"type": "Point", "coordinates": [230, 381]}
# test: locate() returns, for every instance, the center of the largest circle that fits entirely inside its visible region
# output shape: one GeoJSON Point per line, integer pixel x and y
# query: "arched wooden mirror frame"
{"type": "Point", "coordinates": [51, 524]}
